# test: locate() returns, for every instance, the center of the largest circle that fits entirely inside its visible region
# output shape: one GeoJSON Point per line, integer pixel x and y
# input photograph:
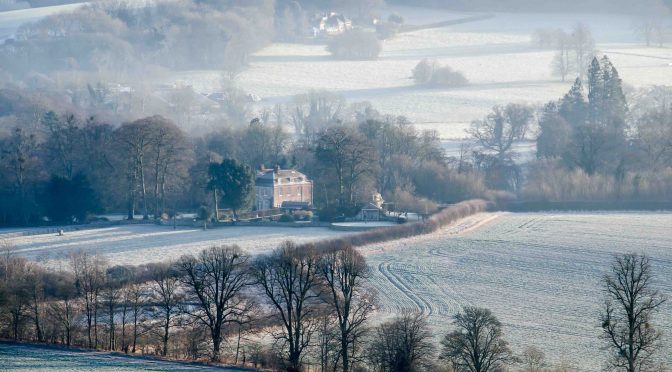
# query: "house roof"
{"type": "Point", "coordinates": [267, 177]}
{"type": "Point", "coordinates": [370, 207]}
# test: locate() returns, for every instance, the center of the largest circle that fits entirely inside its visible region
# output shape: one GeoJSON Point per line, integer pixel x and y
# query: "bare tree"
{"type": "Point", "coordinates": [628, 313]}
{"type": "Point", "coordinates": [109, 298]}
{"type": "Point", "coordinates": [290, 281]}
{"type": "Point", "coordinates": [64, 308]}
{"type": "Point", "coordinates": [166, 296]}
{"type": "Point", "coordinates": [345, 272]}
{"type": "Point", "coordinates": [214, 281]}
{"type": "Point", "coordinates": [349, 155]}
{"type": "Point", "coordinates": [533, 359]}
{"type": "Point", "coordinates": [135, 141]}
{"type": "Point", "coordinates": [169, 153]}
{"type": "Point", "coordinates": [136, 300]}
{"type": "Point", "coordinates": [89, 278]}
{"type": "Point", "coordinates": [477, 345]}
{"type": "Point", "coordinates": [563, 62]}
{"type": "Point", "coordinates": [584, 48]}
{"type": "Point", "coordinates": [498, 131]}
{"type": "Point", "coordinates": [402, 345]}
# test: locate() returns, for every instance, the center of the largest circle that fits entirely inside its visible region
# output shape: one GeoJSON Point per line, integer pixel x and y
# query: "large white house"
{"type": "Point", "coordinates": [275, 187]}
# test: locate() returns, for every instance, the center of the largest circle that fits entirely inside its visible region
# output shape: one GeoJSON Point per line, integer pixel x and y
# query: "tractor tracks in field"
{"type": "Point", "coordinates": [421, 303]}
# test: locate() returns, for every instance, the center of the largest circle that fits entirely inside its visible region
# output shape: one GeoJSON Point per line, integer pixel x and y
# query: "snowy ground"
{"type": "Point", "coordinates": [540, 273]}
{"type": "Point", "coordinates": [494, 54]}
{"type": "Point", "coordinates": [45, 359]}
{"type": "Point", "coordinates": [138, 244]}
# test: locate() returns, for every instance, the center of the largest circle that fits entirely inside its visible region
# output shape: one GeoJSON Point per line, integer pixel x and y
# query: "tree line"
{"type": "Point", "coordinates": [63, 168]}
{"type": "Point", "coordinates": [298, 307]}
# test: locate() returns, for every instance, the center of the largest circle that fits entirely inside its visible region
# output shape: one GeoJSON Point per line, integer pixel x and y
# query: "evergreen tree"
{"type": "Point", "coordinates": [70, 200]}
{"type": "Point", "coordinates": [597, 125]}
{"type": "Point", "coordinates": [234, 182]}
{"type": "Point", "coordinates": [573, 105]}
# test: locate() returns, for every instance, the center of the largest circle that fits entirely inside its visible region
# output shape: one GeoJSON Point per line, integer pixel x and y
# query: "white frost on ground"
{"type": "Point", "coordinates": [17, 357]}
{"type": "Point", "coordinates": [540, 273]}
{"type": "Point", "coordinates": [494, 54]}
{"type": "Point", "coordinates": [138, 244]}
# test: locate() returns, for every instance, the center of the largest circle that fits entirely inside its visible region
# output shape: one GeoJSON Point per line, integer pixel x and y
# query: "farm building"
{"type": "Point", "coordinates": [332, 24]}
{"type": "Point", "coordinates": [275, 187]}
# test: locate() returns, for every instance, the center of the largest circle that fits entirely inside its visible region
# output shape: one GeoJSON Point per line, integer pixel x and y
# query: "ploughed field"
{"type": "Point", "coordinates": [540, 273]}
{"type": "Point", "coordinates": [139, 244]}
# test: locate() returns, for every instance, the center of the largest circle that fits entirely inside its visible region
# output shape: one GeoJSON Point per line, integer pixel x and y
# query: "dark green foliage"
{"type": "Point", "coordinates": [68, 201]}
{"type": "Point", "coordinates": [286, 218]}
{"type": "Point", "coordinates": [588, 133]}
{"type": "Point", "coordinates": [234, 183]}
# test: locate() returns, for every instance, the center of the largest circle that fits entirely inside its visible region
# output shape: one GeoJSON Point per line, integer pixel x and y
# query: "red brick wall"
{"type": "Point", "coordinates": [283, 193]}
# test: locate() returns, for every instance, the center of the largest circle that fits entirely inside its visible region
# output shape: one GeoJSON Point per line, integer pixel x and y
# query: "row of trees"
{"type": "Point", "coordinates": [63, 167]}
{"type": "Point", "coordinates": [314, 305]}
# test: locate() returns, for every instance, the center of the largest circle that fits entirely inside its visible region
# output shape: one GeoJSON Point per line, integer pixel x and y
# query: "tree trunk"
{"type": "Point", "coordinates": [214, 195]}
{"type": "Point", "coordinates": [143, 186]}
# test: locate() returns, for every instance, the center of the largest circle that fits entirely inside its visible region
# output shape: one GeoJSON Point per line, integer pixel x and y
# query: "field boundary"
{"type": "Point", "coordinates": [451, 22]}
{"type": "Point", "coordinates": [581, 205]}
{"type": "Point", "coordinates": [438, 220]}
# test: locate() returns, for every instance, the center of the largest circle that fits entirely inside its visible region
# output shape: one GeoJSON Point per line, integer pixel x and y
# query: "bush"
{"type": "Point", "coordinates": [550, 181]}
{"type": "Point", "coordinates": [355, 45]}
{"type": "Point", "coordinates": [405, 201]}
{"type": "Point", "coordinates": [395, 18]}
{"type": "Point", "coordinates": [303, 215]}
{"type": "Point", "coordinates": [386, 30]}
{"type": "Point", "coordinates": [430, 73]}
{"type": "Point", "coordinates": [286, 218]}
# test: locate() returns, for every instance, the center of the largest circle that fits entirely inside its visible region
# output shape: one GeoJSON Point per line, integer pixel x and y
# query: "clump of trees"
{"type": "Point", "coordinates": [355, 44]}
{"type": "Point", "coordinates": [431, 73]}
{"type": "Point", "coordinates": [122, 37]}
{"type": "Point", "coordinates": [574, 50]}
{"type": "Point", "coordinates": [589, 146]}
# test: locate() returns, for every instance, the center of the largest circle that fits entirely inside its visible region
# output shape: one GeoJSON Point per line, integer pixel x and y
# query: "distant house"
{"type": "Point", "coordinates": [372, 211]}
{"type": "Point", "coordinates": [332, 24]}
{"type": "Point", "coordinates": [282, 188]}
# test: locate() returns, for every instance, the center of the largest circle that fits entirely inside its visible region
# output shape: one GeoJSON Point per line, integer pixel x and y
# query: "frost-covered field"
{"type": "Point", "coordinates": [138, 244]}
{"type": "Point", "coordinates": [35, 358]}
{"type": "Point", "coordinates": [494, 54]}
{"type": "Point", "coordinates": [539, 273]}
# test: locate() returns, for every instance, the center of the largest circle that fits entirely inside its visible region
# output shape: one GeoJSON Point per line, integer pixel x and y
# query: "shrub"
{"type": "Point", "coordinates": [303, 215]}
{"type": "Point", "coordinates": [430, 73]}
{"type": "Point", "coordinates": [355, 45]}
{"type": "Point", "coordinates": [286, 218]}
{"type": "Point", "coordinates": [395, 18]}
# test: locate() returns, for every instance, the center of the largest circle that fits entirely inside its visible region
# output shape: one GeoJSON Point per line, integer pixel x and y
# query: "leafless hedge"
{"type": "Point", "coordinates": [433, 223]}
